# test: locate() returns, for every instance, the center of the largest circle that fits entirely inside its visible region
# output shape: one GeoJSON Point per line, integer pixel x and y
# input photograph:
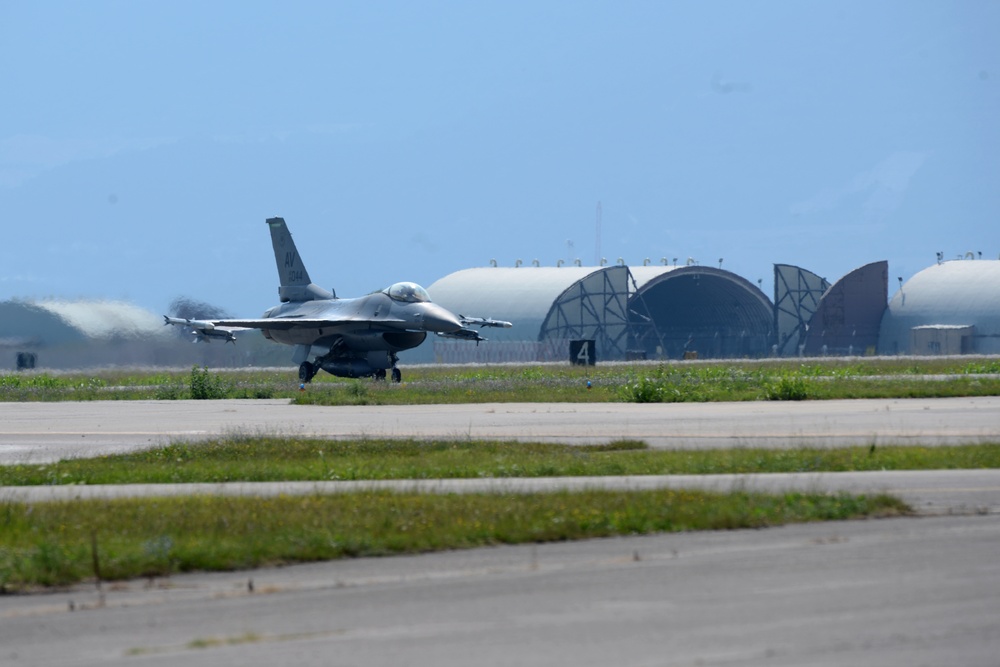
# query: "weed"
{"type": "Point", "coordinates": [646, 390]}
{"type": "Point", "coordinates": [788, 388]}
{"type": "Point", "coordinates": [358, 392]}
{"type": "Point", "coordinates": [204, 385]}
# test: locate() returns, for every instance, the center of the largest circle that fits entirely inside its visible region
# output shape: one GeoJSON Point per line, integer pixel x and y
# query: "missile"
{"type": "Point", "coordinates": [462, 334]}
{"type": "Point", "coordinates": [484, 322]}
{"type": "Point", "coordinates": [202, 329]}
{"type": "Point", "coordinates": [194, 324]}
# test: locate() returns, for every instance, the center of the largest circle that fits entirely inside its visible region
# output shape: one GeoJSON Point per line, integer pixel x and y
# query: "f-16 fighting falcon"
{"type": "Point", "coordinates": [350, 337]}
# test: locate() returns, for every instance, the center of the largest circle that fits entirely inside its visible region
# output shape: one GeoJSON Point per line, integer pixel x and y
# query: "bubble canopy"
{"type": "Point", "coordinates": [407, 293]}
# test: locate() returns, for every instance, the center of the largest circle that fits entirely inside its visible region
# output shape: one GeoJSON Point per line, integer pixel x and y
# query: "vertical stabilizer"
{"type": "Point", "coordinates": [293, 279]}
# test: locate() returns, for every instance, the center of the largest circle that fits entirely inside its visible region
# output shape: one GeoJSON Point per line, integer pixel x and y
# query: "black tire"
{"type": "Point", "coordinates": [306, 371]}
{"type": "Point", "coordinates": [380, 375]}
{"type": "Point", "coordinates": [396, 375]}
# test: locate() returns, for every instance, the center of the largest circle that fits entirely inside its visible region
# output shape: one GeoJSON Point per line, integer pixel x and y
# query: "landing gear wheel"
{"type": "Point", "coordinates": [396, 375]}
{"type": "Point", "coordinates": [306, 371]}
{"type": "Point", "coordinates": [380, 375]}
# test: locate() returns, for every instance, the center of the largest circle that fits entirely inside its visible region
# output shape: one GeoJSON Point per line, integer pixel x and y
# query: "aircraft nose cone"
{"type": "Point", "coordinates": [439, 319]}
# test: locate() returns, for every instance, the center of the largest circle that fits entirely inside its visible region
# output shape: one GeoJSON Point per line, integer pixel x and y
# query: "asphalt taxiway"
{"type": "Point", "coordinates": [882, 592]}
{"type": "Point", "coordinates": [41, 432]}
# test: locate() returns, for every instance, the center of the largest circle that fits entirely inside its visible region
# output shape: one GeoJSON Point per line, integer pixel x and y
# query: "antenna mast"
{"type": "Point", "coordinates": [597, 242]}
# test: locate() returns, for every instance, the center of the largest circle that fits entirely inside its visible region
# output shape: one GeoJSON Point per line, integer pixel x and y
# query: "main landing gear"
{"type": "Point", "coordinates": [306, 371]}
{"type": "Point", "coordinates": [397, 376]}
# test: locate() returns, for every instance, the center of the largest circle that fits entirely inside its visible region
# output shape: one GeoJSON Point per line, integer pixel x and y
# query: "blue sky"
{"type": "Point", "coordinates": [142, 145]}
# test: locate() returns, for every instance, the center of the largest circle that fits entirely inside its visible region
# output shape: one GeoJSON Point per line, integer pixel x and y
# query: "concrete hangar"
{"type": "Point", "coordinates": [695, 311]}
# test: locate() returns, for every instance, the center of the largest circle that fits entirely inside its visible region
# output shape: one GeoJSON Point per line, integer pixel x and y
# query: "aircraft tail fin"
{"type": "Point", "coordinates": [294, 282]}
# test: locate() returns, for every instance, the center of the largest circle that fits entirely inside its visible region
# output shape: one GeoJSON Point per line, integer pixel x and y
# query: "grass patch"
{"type": "Point", "coordinates": [771, 379]}
{"type": "Point", "coordinates": [676, 384]}
{"type": "Point", "coordinates": [60, 543]}
{"type": "Point", "coordinates": [258, 459]}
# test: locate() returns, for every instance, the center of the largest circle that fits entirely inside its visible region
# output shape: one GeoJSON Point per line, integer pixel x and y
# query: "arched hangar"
{"type": "Point", "coordinates": [849, 314]}
{"type": "Point", "coordinates": [630, 312]}
{"type": "Point", "coordinates": [701, 311]}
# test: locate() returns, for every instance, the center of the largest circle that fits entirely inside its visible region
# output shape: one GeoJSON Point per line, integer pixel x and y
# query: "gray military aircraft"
{"type": "Point", "coordinates": [350, 337]}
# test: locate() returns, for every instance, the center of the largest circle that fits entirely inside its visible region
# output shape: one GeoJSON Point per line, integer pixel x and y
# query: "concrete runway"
{"type": "Point", "coordinates": [41, 432]}
{"type": "Point", "coordinates": [883, 592]}
{"type": "Point", "coordinates": [915, 591]}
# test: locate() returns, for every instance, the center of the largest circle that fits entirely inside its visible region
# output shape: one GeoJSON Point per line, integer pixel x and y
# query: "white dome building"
{"type": "Point", "coordinates": [950, 308]}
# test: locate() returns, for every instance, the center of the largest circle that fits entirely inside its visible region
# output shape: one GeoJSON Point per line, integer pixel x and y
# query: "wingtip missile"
{"type": "Point", "coordinates": [194, 324]}
{"type": "Point", "coordinates": [203, 330]}
{"type": "Point", "coordinates": [484, 322]}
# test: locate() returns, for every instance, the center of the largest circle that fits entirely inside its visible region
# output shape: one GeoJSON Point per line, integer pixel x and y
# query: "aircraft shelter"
{"type": "Point", "coordinates": [676, 312]}
{"type": "Point", "coordinates": [645, 312]}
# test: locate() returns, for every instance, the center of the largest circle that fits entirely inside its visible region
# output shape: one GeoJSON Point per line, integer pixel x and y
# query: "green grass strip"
{"type": "Point", "coordinates": [258, 459]}
{"type": "Point", "coordinates": [59, 543]}
{"type": "Point", "coordinates": [720, 380]}
{"type": "Point", "coordinates": [672, 388]}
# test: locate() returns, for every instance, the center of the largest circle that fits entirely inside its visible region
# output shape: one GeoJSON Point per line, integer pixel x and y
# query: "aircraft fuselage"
{"type": "Point", "coordinates": [374, 322]}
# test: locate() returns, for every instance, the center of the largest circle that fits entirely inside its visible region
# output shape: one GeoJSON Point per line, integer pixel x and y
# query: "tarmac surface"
{"type": "Point", "coordinates": [41, 432]}
{"type": "Point", "coordinates": [911, 591]}
{"type": "Point", "coordinates": [883, 592]}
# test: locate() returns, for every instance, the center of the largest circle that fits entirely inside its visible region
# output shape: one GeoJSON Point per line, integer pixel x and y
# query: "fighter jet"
{"type": "Point", "coordinates": [356, 337]}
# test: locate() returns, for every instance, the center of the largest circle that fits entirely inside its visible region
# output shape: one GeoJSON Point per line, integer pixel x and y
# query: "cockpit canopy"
{"type": "Point", "coordinates": [408, 293]}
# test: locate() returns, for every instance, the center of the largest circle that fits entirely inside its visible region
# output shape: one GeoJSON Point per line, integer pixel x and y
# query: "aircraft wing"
{"type": "Point", "coordinates": [286, 323]}
{"type": "Point", "coordinates": [225, 328]}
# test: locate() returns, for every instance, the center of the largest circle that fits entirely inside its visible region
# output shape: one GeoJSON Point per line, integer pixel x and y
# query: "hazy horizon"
{"type": "Point", "coordinates": [142, 146]}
